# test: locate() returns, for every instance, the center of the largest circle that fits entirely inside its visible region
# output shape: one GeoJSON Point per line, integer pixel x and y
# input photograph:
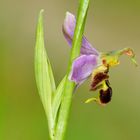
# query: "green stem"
{"type": "Point", "coordinates": [69, 86]}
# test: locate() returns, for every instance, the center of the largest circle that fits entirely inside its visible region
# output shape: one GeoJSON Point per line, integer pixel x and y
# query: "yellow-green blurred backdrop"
{"type": "Point", "coordinates": [111, 24]}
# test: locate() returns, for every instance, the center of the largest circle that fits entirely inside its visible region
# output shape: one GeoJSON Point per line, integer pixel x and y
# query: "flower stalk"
{"type": "Point", "coordinates": [69, 86]}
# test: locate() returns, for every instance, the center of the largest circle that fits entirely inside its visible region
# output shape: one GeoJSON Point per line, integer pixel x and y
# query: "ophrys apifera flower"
{"type": "Point", "coordinates": [92, 63]}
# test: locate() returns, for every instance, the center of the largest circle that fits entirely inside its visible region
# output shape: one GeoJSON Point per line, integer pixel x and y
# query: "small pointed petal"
{"type": "Point", "coordinates": [129, 52]}
{"type": "Point", "coordinates": [82, 68]}
{"type": "Point", "coordinates": [68, 31]}
{"type": "Point", "coordinates": [112, 58]}
{"type": "Point", "coordinates": [91, 100]}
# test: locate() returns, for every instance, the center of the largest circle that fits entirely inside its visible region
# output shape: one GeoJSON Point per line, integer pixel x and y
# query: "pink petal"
{"type": "Point", "coordinates": [68, 31]}
{"type": "Point", "coordinates": [82, 68]}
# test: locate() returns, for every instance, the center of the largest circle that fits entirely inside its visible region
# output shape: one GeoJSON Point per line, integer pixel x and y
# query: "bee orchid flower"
{"type": "Point", "coordinates": [92, 63]}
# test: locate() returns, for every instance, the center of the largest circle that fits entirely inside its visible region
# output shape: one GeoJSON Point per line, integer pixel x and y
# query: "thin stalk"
{"type": "Point", "coordinates": [69, 86]}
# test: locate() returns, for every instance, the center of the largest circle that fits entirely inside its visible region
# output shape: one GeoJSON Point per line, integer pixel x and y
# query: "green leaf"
{"type": "Point", "coordinates": [43, 73]}
{"type": "Point", "coordinates": [51, 77]}
{"type": "Point", "coordinates": [58, 98]}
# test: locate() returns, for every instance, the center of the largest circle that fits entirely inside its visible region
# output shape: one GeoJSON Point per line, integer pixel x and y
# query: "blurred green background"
{"type": "Point", "coordinates": [111, 24]}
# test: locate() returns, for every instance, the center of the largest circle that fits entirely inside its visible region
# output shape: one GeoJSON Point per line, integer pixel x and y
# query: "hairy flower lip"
{"type": "Point", "coordinates": [105, 96]}
{"type": "Point", "coordinates": [97, 79]}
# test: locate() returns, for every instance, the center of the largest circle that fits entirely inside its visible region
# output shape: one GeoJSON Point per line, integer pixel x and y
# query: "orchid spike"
{"type": "Point", "coordinates": [92, 63]}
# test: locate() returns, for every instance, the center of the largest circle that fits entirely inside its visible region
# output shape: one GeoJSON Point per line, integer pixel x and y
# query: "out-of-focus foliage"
{"type": "Point", "coordinates": [110, 25]}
